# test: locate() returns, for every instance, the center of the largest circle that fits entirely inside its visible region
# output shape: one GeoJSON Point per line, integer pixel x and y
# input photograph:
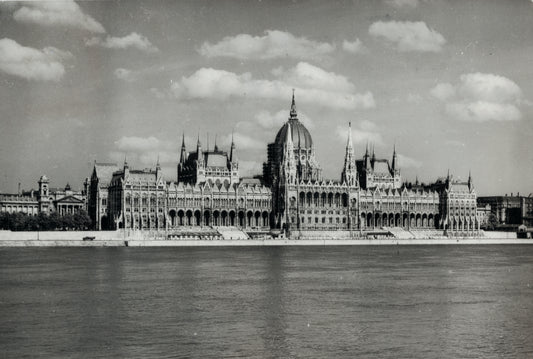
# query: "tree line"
{"type": "Point", "coordinates": [45, 222]}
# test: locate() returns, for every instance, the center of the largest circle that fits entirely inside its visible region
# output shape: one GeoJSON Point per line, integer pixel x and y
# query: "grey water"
{"type": "Point", "coordinates": [267, 302]}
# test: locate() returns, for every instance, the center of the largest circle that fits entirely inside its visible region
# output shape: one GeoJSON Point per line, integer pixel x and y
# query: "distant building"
{"type": "Point", "coordinates": [44, 200]}
{"type": "Point", "coordinates": [510, 210]}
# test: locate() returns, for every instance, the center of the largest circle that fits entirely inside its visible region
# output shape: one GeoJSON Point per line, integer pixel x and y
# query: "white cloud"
{"type": "Point", "coordinates": [138, 144]}
{"type": "Point", "coordinates": [489, 87]}
{"type": "Point", "coordinates": [409, 36]}
{"type": "Point", "coordinates": [268, 120]}
{"type": "Point", "coordinates": [408, 162]}
{"type": "Point", "coordinates": [355, 47]}
{"type": "Point", "coordinates": [443, 91]}
{"type": "Point", "coordinates": [64, 13]}
{"type": "Point", "coordinates": [312, 85]}
{"type": "Point", "coordinates": [308, 76]}
{"type": "Point", "coordinates": [30, 63]}
{"type": "Point", "coordinates": [273, 44]}
{"type": "Point", "coordinates": [143, 152]}
{"type": "Point", "coordinates": [362, 132]}
{"type": "Point", "coordinates": [480, 97]}
{"type": "Point", "coordinates": [243, 142]}
{"type": "Point", "coordinates": [402, 3]}
{"type": "Point", "coordinates": [123, 74]}
{"type": "Point", "coordinates": [134, 40]}
{"type": "Point", "coordinates": [481, 111]}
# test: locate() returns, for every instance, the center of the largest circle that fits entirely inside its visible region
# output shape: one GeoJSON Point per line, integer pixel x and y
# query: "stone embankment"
{"type": "Point", "coordinates": [210, 238]}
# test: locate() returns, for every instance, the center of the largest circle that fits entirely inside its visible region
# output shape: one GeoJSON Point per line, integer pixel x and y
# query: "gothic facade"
{"type": "Point", "coordinates": [370, 194]}
{"type": "Point", "coordinates": [208, 192]}
{"type": "Point", "coordinates": [292, 196]}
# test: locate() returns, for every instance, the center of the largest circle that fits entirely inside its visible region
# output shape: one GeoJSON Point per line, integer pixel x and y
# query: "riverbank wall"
{"type": "Point", "coordinates": [120, 239]}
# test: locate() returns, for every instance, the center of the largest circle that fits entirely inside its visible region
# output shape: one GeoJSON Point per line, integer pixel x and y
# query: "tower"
{"type": "Point", "coordinates": [349, 171]}
{"type": "Point", "coordinates": [44, 200]}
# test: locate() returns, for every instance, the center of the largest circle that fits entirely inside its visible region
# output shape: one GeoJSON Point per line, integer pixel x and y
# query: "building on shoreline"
{"type": "Point", "coordinates": [292, 196]}
{"type": "Point", "coordinates": [208, 192]}
{"type": "Point", "coordinates": [510, 210]}
{"type": "Point", "coordinates": [370, 193]}
{"type": "Point", "coordinates": [44, 200]}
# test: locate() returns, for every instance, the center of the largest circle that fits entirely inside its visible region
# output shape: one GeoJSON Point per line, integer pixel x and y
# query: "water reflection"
{"type": "Point", "coordinates": [343, 302]}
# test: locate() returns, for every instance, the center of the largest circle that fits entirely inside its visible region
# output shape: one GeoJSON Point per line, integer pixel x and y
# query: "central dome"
{"type": "Point", "coordinates": [301, 138]}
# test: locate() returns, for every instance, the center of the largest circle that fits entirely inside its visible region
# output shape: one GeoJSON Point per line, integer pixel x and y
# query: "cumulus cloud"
{"type": "Point", "coordinates": [409, 36]}
{"type": "Point", "coordinates": [243, 142]}
{"type": "Point", "coordinates": [354, 47]}
{"type": "Point", "coordinates": [268, 120]}
{"type": "Point", "coordinates": [143, 152]}
{"type": "Point", "coordinates": [312, 84]}
{"type": "Point", "coordinates": [273, 44]}
{"type": "Point", "coordinates": [133, 40]}
{"type": "Point", "coordinates": [63, 13]}
{"type": "Point", "coordinates": [30, 63]}
{"type": "Point", "coordinates": [362, 132]}
{"type": "Point", "coordinates": [481, 97]}
{"type": "Point", "coordinates": [443, 91]}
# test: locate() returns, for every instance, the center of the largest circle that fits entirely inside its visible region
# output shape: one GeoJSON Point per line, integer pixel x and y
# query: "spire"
{"type": "Point", "coordinates": [366, 151]}
{"type": "Point", "coordinates": [216, 147]}
{"type": "Point", "coordinates": [373, 152]}
{"type": "Point", "coordinates": [470, 182]}
{"type": "Point", "coordinates": [198, 149]}
{"type": "Point", "coordinates": [232, 150]}
{"type": "Point", "coordinates": [183, 155]}
{"type": "Point", "coordinates": [394, 159]}
{"type": "Point", "coordinates": [158, 165]}
{"type": "Point", "coordinates": [125, 162]}
{"type": "Point", "coordinates": [294, 115]}
{"type": "Point", "coordinates": [349, 172]}
{"type": "Point", "coordinates": [349, 143]}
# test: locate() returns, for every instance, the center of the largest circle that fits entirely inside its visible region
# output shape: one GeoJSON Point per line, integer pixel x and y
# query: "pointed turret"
{"type": "Point", "coordinates": [183, 155]}
{"type": "Point", "coordinates": [394, 160]}
{"type": "Point", "coordinates": [293, 114]}
{"type": "Point", "coordinates": [349, 172]}
{"type": "Point", "coordinates": [216, 147]}
{"type": "Point", "coordinates": [470, 182]}
{"type": "Point", "coordinates": [289, 163]}
{"type": "Point", "coordinates": [232, 149]}
{"type": "Point", "coordinates": [199, 154]}
{"type": "Point", "coordinates": [126, 166]}
{"type": "Point", "coordinates": [158, 165]}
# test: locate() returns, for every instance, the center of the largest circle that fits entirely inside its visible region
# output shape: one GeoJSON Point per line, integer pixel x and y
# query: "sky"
{"type": "Point", "coordinates": [448, 83]}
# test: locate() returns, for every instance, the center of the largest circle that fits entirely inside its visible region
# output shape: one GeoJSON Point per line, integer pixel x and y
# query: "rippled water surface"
{"type": "Point", "coordinates": [279, 302]}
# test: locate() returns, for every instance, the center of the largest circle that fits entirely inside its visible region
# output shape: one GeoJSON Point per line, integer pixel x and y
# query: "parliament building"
{"type": "Point", "coordinates": [290, 197]}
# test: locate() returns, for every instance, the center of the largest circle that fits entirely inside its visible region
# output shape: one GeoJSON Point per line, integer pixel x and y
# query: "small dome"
{"type": "Point", "coordinates": [300, 135]}
{"type": "Point", "coordinates": [43, 178]}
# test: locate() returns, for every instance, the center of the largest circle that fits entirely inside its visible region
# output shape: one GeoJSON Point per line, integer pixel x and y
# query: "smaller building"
{"type": "Point", "coordinates": [510, 210]}
{"type": "Point", "coordinates": [44, 200]}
